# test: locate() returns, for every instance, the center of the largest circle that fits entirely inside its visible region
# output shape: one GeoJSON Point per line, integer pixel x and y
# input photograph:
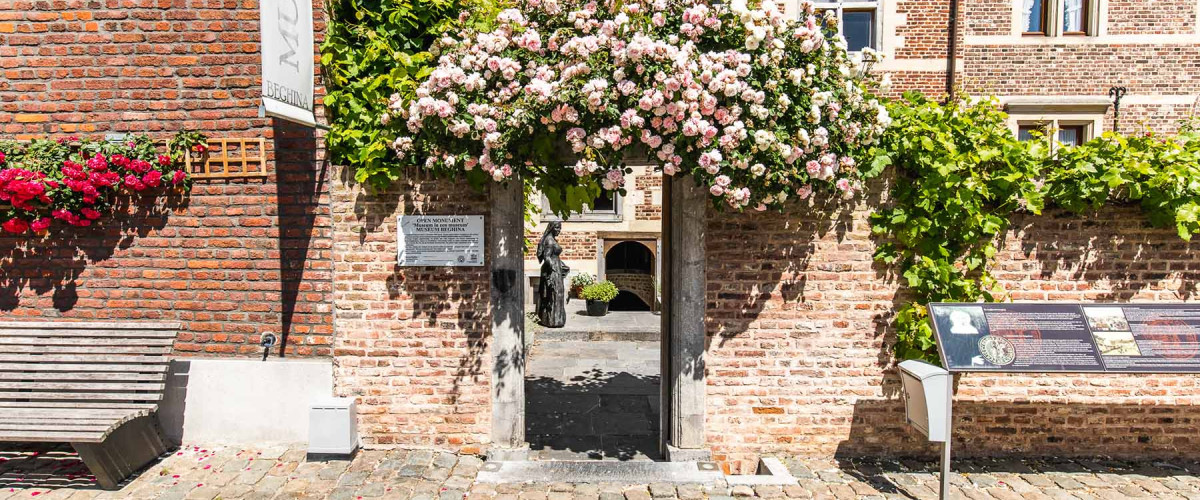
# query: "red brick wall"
{"type": "Point", "coordinates": [1158, 17]}
{"type": "Point", "coordinates": [236, 258]}
{"type": "Point", "coordinates": [1082, 69]}
{"type": "Point", "coordinates": [647, 209]}
{"type": "Point", "coordinates": [412, 342]}
{"type": "Point", "coordinates": [798, 334]}
{"type": "Point", "coordinates": [986, 17]}
{"type": "Point", "coordinates": [924, 29]}
{"type": "Point", "coordinates": [576, 244]}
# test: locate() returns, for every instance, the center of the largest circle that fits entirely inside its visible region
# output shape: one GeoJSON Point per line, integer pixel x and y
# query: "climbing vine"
{"type": "Point", "coordinates": [374, 50]}
{"type": "Point", "coordinates": [961, 174]}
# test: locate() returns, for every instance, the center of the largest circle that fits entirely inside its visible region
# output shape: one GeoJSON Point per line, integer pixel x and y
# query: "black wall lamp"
{"type": "Point", "coordinates": [1116, 93]}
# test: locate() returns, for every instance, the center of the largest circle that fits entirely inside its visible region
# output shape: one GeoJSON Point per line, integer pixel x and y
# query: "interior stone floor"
{"type": "Point", "coordinates": [593, 400]}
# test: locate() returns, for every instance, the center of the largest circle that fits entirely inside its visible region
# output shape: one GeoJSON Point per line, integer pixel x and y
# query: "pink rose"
{"type": "Point", "coordinates": [90, 213]}
{"type": "Point", "coordinates": [177, 176]}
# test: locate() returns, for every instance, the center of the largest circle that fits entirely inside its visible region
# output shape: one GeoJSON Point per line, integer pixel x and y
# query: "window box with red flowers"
{"type": "Point", "coordinates": [49, 184]}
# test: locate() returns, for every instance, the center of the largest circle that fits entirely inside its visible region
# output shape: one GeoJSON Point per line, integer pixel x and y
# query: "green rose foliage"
{"type": "Point", "coordinates": [1160, 173]}
{"type": "Point", "coordinates": [372, 50]}
{"type": "Point", "coordinates": [961, 173]}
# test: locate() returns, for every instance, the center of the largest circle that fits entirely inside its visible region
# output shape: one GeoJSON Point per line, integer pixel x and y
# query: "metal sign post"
{"type": "Point", "coordinates": [944, 490]}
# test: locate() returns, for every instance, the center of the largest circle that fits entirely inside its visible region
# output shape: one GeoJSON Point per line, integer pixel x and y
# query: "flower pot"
{"type": "Point", "coordinates": [597, 308]}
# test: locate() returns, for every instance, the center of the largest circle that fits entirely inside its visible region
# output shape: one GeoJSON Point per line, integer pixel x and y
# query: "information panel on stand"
{"type": "Point", "coordinates": [1064, 337]}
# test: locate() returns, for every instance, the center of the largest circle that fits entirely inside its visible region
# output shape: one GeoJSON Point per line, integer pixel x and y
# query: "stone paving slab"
{"type": "Point", "coordinates": [209, 473]}
{"type": "Point", "coordinates": [617, 325]}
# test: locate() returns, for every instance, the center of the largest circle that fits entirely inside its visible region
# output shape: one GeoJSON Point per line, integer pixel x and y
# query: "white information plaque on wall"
{"type": "Point", "coordinates": [441, 240]}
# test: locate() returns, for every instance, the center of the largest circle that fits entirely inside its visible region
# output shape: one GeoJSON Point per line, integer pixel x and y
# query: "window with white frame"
{"type": "Point", "coordinates": [1064, 132]}
{"type": "Point", "coordinates": [605, 208]}
{"type": "Point", "coordinates": [1057, 17]}
{"type": "Point", "coordinates": [1060, 120]}
{"type": "Point", "coordinates": [857, 20]}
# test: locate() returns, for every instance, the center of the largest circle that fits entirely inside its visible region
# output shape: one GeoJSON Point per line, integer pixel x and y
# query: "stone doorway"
{"type": "Point", "coordinates": [593, 387]}
{"type": "Point", "coordinates": [679, 433]}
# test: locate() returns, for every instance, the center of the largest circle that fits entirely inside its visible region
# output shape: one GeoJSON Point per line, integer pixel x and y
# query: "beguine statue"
{"type": "Point", "coordinates": [551, 296]}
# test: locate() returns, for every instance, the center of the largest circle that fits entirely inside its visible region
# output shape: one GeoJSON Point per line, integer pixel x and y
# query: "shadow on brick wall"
{"type": "Point", "coordinates": [1117, 247]}
{"type": "Point", "coordinates": [299, 186]}
{"type": "Point", "coordinates": [439, 313]}
{"type": "Point", "coordinates": [54, 264]}
{"type": "Point", "coordinates": [1030, 429]}
{"type": "Point", "coordinates": [757, 258]}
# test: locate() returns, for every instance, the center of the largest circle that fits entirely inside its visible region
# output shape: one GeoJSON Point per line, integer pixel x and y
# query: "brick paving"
{"type": "Point", "coordinates": [49, 472]}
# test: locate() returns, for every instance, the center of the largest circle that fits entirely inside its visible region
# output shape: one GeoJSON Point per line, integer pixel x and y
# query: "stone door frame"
{"type": "Point", "coordinates": [682, 264]}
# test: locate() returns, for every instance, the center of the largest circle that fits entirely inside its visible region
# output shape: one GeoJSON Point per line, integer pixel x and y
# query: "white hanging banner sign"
{"type": "Point", "coordinates": [286, 31]}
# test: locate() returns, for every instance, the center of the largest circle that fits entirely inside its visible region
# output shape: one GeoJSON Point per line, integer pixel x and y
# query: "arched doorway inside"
{"type": "Point", "coordinates": [630, 265]}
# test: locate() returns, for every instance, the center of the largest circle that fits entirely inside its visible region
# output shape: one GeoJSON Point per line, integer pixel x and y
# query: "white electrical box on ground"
{"type": "Point", "coordinates": [332, 426]}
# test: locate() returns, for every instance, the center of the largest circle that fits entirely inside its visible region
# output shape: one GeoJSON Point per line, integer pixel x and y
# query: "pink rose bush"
{"type": "Point", "coordinates": [759, 106]}
{"type": "Point", "coordinates": [44, 181]}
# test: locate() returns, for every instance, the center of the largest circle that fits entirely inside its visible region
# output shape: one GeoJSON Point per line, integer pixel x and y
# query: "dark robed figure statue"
{"type": "Point", "coordinates": [551, 306]}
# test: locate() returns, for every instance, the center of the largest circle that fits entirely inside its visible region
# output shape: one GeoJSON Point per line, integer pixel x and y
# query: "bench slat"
{"type": "Point", "coordinates": [71, 413]}
{"type": "Point", "coordinates": [85, 349]}
{"type": "Point", "coordinates": [84, 396]}
{"type": "Point", "coordinates": [58, 419]}
{"type": "Point", "coordinates": [52, 436]}
{"type": "Point", "coordinates": [75, 358]}
{"type": "Point", "coordinates": [55, 426]}
{"type": "Point", "coordinates": [75, 367]}
{"type": "Point", "coordinates": [84, 376]}
{"type": "Point", "coordinates": [124, 334]}
{"type": "Point", "coordinates": [101, 325]}
{"type": "Point", "coordinates": [90, 341]}
{"type": "Point", "coordinates": [124, 405]}
{"type": "Point", "coordinates": [80, 386]}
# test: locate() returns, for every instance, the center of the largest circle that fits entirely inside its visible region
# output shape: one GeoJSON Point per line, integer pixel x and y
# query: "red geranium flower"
{"type": "Point", "coordinates": [15, 226]}
{"type": "Point", "coordinates": [152, 178]}
{"type": "Point", "coordinates": [134, 183]}
{"type": "Point", "coordinates": [41, 225]}
{"type": "Point", "coordinates": [97, 162]}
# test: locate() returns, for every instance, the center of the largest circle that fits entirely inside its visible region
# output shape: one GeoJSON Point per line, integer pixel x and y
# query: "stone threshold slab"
{"type": "Point", "coordinates": [633, 472]}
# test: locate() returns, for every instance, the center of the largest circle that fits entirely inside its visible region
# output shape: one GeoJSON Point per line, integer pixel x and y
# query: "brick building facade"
{"type": "Point", "coordinates": [232, 260]}
{"type": "Point", "coordinates": [797, 312]}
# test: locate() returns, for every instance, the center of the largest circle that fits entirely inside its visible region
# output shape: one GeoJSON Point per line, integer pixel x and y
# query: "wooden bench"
{"type": "Point", "coordinates": [95, 385]}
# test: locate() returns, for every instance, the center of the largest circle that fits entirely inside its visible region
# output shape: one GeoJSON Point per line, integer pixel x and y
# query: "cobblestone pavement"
{"type": "Point", "coordinates": [228, 473]}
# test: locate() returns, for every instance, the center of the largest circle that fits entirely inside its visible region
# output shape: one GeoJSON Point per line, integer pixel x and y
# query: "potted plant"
{"type": "Point", "coordinates": [598, 295]}
{"type": "Point", "coordinates": [579, 281]}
